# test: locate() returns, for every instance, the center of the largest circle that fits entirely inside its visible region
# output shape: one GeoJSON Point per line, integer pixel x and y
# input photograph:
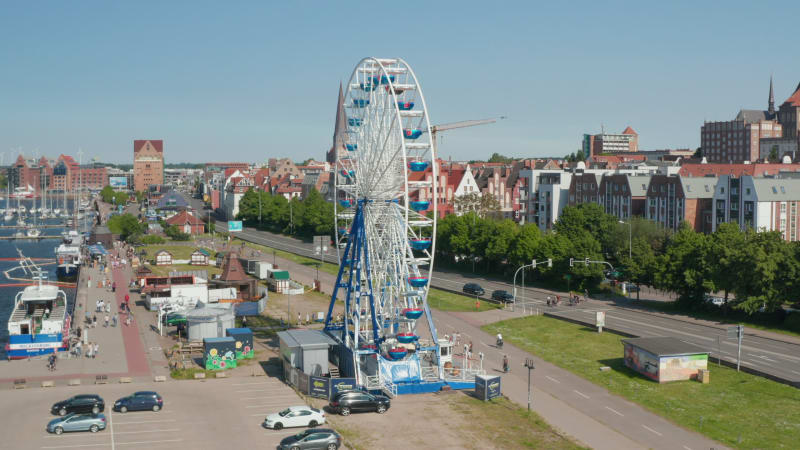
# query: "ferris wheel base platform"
{"type": "Point", "coordinates": [427, 387]}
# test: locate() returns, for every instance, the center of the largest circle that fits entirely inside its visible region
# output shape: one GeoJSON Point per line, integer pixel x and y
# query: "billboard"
{"type": "Point", "coordinates": [234, 225]}
{"type": "Point", "coordinates": [319, 387]}
{"type": "Point", "coordinates": [118, 182]}
{"type": "Point", "coordinates": [487, 387]}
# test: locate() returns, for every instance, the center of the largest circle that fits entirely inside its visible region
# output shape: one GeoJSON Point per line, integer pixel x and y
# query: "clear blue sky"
{"type": "Point", "coordinates": [257, 80]}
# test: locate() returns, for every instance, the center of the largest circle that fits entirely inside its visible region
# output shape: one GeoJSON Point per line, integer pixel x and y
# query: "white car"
{"type": "Point", "coordinates": [295, 416]}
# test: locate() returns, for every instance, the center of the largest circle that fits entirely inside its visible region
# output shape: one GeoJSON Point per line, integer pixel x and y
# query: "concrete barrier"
{"type": "Point", "coordinates": [74, 382]}
{"type": "Point", "coordinates": [220, 375]}
{"type": "Point", "coordinates": [48, 383]}
{"type": "Point", "coordinates": [200, 376]}
{"type": "Point", "coordinates": [19, 383]}
{"type": "Point", "coordinates": [159, 378]}
{"type": "Point", "coordinates": [125, 380]}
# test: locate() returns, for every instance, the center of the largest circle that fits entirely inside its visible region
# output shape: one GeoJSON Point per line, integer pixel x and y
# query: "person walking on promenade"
{"type": "Point", "coordinates": [114, 286]}
{"type": "Point", "coordinates": [114, 320]}
{"type": "Point", "coordinates": [106, 321]}
{"type": "Point", "coordinates": [108, 308]}
{"type": "Point", "coordinates": [78, 349]}
{"type": "Point", "coordinates": [94, 321]}
{"type": "Point", "coordinates": [505, 363]}
{"type": "Point", "coordinates": [96, 350]}
{"type": "Point", "coordinates": [88, 317]}
{"type": "Point", "coordinates": [89, 350]}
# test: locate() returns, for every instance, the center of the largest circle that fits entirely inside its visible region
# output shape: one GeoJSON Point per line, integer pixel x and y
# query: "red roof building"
{"type": "Point", "coordinates": [187, 223]}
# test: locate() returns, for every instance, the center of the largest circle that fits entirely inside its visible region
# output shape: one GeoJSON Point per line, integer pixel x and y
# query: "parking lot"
{"type": "Point", "coordinates": [209, 414]}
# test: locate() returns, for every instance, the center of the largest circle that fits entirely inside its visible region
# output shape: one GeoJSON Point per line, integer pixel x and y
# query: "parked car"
{"type": "Point", "coordinates": [139, 401]}
{"type": "Point", "coordinates": [630, 287]}
{"type": "Point", "coordinates": [473, 289]}
{"type": "Point", "coordinates": [295, 416]}
{"type": "Point", "coordinates": [77, 422]}
{"type": "Point", "coordinates": [716, 301]}
{"type": "Point", "coordinates": [322, 438]}
{"type": "Point", "coordinates": [85, 403]}
{"type": "Point", "coordinates": [503, 296]}
{"type": "Point", "coordinates": [354, 401]}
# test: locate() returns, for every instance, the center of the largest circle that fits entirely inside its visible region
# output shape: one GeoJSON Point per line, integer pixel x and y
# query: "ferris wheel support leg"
{"type": "Point", "coordinates": [375, 336]}
{"type": "Point", "coordinates": [435, 336]}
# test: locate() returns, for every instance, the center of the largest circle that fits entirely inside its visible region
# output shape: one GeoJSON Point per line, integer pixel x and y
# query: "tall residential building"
{"type": "Point", "coordinates": [598, 144]}
{"type": "Point", "coordinates": [148, 163]}
{"type": "Point", "coordinates": [764, 204]}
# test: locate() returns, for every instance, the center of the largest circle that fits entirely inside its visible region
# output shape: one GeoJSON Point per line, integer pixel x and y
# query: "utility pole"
{"type": "Point", "coordinates": [529, 365]}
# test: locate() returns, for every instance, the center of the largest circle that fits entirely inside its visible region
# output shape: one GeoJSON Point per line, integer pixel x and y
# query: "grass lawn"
{"type": "Point", "coordinates": [178, 251]}
{"type": "Point", "coordinates": [448, 301]}
{"type": "Point", "coordinates": [506, 424]}
{"type": "Point", "coordinates": [765, 414]}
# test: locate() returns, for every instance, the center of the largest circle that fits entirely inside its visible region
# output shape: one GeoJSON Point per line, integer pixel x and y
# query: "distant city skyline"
{"type": "Point", "coordinates": [260, 80]}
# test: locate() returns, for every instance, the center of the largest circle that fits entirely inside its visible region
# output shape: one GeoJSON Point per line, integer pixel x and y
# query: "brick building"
{"type": "Point", "coordinates": [624, 195]}
{"type": "Point", "coordinates": [148, 163]}
{"type": "Point", "coordinates": [675, 199]}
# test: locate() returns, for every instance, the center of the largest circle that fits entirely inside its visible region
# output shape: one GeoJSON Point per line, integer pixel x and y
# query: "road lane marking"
{"type": "Point", "coordinates": [111, 427]}
{"type": "Point", "coordinates": [795, 372]}
{"type": "Point", "coordinates": [149, 442]}
{"type": "Point", "coordinates": [77, 445]}
{"type": "Point", "coordinates": [169, 430]}
{"type": "Point", "coordinates": [651, 430]}
{"type": "Point", "coordinates": [615, 411]}
{"type": "Point", "coordinates": [581, 394]}
{"type": "Point", "coordinates": [552, 379]}
{"type": "Point", "coordinates": [687, 448]}
{"type": "Point", "coordinates": [146, 421]}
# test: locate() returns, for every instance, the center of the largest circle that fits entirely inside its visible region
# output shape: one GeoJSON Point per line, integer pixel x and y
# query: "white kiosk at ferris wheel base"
{"type": "Point", "coordinates": [386, 225]}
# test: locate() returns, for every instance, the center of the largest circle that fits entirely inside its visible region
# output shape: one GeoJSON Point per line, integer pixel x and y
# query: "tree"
{"type": "Point", "coordinates": [773, 154]}
{"type": "Point", "coordinates": [526, 243]}
{"type": "Point", "coordinates": [499, 242]}
{"type": "Point", "coordinates": [684, 268]}
{"type": "Point", "coordinates": [763, 256]}
{"type": "Point", "coordinates": [698, 153]}
{"type": "Point", "coordinates": [485, 204]}
{"type": "Point", "coordinates": [498, 158]}
{"type": "Point", "coordinates": [107, 194]}
{"type": "Point", "coordinates": [3, 181]}
{"type": "Point", "coordinates": [126, 225]}
{"type": "Point", "coordinates": [725, 258]}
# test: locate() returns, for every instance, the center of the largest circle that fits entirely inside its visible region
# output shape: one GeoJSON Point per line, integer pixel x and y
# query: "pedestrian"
{"type": "Point", "coordinates": [298, 318]}
{"type": "Point", "coordinates": [128, 320]}
{"type": "Point", "coordinates": [114, 286]}
{"type": "Point", "coordinates": [94, 321]}
{"type": "Point", "coordinates": [505, 363]}
{"type": "Point", "coordinates": [78, 349]}
{"type": "Point", "coordinates": [244, 321]}
{"type": "Point", "coordinates": [79, 332]}
{"type": "Point", "coordinates": [96, 350]}
{"type": "Point", "coordinates": [46, 312]}
{"type": "Point", "coordinates": [89, 350]}
{"type": "Point", "coordinates": [97, 305]}
{"type": "Point", "coordinates": [308, 318]}
{"type": "Point", "coordinates": [88, 317]}
{"type": "Point", "coordinates": [106, 321]}
{"type": "Point", "coordinates": [470, 347]}
{"type": "Point", "coordinates": [548, 300]}
{"type": "Point", "coordinates": [114, 320]}
{"type": "Point", "coordinates": [108, 307]}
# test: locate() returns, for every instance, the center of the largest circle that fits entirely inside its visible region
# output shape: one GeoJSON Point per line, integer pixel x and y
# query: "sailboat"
{"type": "Point", "coordinates": [33, 231]}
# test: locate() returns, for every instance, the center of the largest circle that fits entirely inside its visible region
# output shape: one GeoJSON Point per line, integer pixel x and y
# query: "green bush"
{"type": "Point", "coordinates": [792, 321]}
{"type": "Point", "coordinates": [152, 239]}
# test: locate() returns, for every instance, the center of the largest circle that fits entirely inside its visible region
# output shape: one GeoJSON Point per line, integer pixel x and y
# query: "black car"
{"type": "Point", "coordinates": [345, 402]}
{"type": "Point", "coordinates": [87, 403]}
{"type": "Point", "coordinates": [139, 401]}
{"type": "Point", "coordinates": [314, 438]}
{"type": "Point", "coordinates": [503, 296]}
{"type": "Point", "coordinates": [473, 289]}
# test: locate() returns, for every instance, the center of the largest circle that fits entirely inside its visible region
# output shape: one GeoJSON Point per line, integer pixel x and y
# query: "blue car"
{"type": "Point", "coordinates": [139, 401]}
{"type": "Point", "coordinates": [77, 422]}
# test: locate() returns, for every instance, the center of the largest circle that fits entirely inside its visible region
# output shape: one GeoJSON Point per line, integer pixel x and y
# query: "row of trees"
{"type": "Point", "coordinates": [110, 196]}
{"type": "Point", "coordinates": [754, 270]}
{"type": "Point", "coordinates": [303, 218]}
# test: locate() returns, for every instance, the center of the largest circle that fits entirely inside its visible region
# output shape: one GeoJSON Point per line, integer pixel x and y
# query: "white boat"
{"type": "Point", "coordinates": [39, 323]}
{"type": "Point", "coordinates": [22, 209]}
{"type": "Point", "coordinates": [33, 232]}
{"type": "Point", "coordinates": [21, 221]}
{"type": "Point", "coordinates": [56, 212]}
{"type": "Point", "coordinates": [69, 259]}
{"type": "Point", "coordinates": [23, 192]}
{"type": "Point", "coordinates": [72, 237]}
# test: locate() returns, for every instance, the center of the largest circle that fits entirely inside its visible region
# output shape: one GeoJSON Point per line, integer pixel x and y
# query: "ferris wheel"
{"type": "Point", "coordinates": [386, 224]}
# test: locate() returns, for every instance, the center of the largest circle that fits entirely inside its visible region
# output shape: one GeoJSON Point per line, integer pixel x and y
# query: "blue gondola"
{"type": "Point", "coordinates": [368, 87]}
{"type": "Point", "coordinates": [397, 90]}
{"type": "Point", "coordinates": [412, 133]}
{"type": "Point", "coordinates": [418, 281]}
{"type": "Point", "coordinates": [348, 173]}
{"type": "Point", "coordinates": [345, 203]}
{"type": "Point", "coordinates": [420, 244]}
{"type": "Point", "coordinates": [406, 338]}
{"type": "Point", "coordinates": [405, 106]}
{"type": "Point", "coordinates": [397, 353]}
{"type": "Point", "coordinates": [351, 147]}
{"type": "Point", "coordinates": [354, 122]}
{"type": "Point", "coordinates": [383, 79]}
{"type": "Point", "coordinates": [418, 166]}
{"type": "Point", "coordinates": [360, 102]}
{"type": "Point", "coordinates": [420, 205]}
{"type": "Point", "coordinates": [412, 313]}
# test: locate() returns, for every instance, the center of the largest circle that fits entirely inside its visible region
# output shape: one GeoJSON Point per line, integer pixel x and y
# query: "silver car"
{"type": "Point", "coordinates": [315, 438]}
{"type": "Point", "coordinates": [77, 422]}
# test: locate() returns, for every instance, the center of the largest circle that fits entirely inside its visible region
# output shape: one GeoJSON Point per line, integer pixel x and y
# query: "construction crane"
{"type": "Point", "coordinates": [435, 129]}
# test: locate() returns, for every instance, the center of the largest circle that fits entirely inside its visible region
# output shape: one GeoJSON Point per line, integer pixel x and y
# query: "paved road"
{"type": "Point", "coordinates": [776, 355]}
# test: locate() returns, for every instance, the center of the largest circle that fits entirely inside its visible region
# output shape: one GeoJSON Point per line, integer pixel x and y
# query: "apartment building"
{"type": "Point", "coordinates": [764, 204]}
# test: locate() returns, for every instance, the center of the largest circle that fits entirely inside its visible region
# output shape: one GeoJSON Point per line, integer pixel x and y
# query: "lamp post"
{"type": "Point", "coordinates": [630, 238]}
{"type": "Point", "coordinates": [259, 209]}
{"type": "Point", "coordinates": [529, 365]}
{"type": "Point", "coordinates": [533, 264]}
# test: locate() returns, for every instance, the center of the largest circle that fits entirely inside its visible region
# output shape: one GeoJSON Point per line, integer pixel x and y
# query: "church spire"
{"type": "Point", "coordinates": [771, 108]}
{"type": "Point", "coordinates": [340, 128]}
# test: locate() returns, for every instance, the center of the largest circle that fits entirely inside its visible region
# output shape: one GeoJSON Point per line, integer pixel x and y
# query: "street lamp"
{"type": "Point", "coordinates": [630, 238]}
{"type": "Point", "coordinates": [529, 365]}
